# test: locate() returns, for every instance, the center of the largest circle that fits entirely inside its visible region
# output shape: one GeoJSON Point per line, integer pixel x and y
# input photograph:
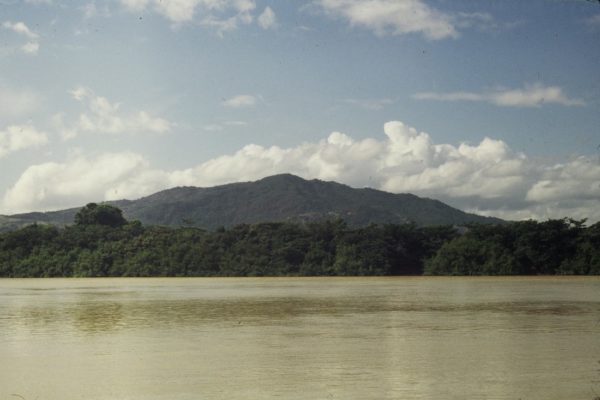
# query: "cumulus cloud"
{"type": "Point", "coordinates": [391, 17]}
{"type": "Point", "coordinates": [401, 17]}
{"type": "Point", "coordinates": [177, 10]}
{"type": "Point", "coordinates": [267, 19]}
{"type": "Point", "coordinates": [19, 137]}
{"type": "Point", "coordinates": [487, 177]}
{"type": "Point", "coordinates": [239, 101]}
{"type": "Point", "coordinates": [77, 181]}
{"type": "Point", "coordinates": [531, 95]}
{"type": "Point", "coordinates": [20, 28]}
{"type": "Point", "coordinates": [221, 15]}
{"type": "Point", "coordinates": [559, 182]}
{"type": "Point", "coordinates": [102, 116]}
{"type": "Point", "coordinates": [32, 46]}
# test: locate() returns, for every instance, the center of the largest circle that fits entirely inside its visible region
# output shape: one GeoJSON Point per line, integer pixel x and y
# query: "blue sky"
{"type": "Point", "coordinates": [492, 107]}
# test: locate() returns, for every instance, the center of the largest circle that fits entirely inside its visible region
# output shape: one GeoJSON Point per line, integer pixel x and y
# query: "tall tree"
{"type": "Point", "coordinates": [103, 214]}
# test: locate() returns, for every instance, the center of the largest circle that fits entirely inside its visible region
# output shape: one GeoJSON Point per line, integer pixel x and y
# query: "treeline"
{"type": "Point", "coordinates": [103, 243]}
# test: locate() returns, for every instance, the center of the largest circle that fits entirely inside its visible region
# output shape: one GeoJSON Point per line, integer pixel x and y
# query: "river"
{"type": "Point", "coordinates": [300, 338]}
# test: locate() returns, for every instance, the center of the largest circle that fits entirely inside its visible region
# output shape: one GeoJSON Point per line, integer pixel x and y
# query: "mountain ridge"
{"type": "Point", "coordinates": [277, 198]}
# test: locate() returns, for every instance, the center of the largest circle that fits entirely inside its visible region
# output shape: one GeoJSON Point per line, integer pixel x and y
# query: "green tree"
{"type": "Point", "coordinates": [103, 214]}
{"type": "Point", "coordinates": [467, 255]}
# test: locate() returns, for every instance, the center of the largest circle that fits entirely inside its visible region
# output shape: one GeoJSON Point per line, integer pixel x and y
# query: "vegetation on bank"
{"type": "Point", "coordinates": [103, 243]}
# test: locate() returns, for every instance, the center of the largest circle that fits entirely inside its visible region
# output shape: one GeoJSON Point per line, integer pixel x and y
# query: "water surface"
{"type": "Point", "coordinates": [300, 338]}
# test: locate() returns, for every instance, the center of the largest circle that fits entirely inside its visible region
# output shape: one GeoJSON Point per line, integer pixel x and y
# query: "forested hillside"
{"type": "Point", "coordinates": [279, 198]}
{"type": "Point", "coordinates": [102, 243]}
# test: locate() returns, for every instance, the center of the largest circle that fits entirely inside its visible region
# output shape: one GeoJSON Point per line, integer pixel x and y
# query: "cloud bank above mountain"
{"type": "Point", "coordinates": [488, 177]}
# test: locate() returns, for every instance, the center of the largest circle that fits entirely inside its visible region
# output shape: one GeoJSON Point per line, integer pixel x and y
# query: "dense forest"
{"type": "Point", "coordinates": [102, 243]}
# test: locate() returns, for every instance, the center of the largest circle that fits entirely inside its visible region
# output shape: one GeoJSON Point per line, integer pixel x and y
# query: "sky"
{"type": "Point", "coordinates": [491, 107]}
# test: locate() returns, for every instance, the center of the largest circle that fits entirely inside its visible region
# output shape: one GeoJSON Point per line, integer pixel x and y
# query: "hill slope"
{"type": "Point", "coordinates": [276, 198]}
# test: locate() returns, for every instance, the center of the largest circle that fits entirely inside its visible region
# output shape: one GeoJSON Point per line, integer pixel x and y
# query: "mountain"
{"type": "Point", "coordinates": [277, 198]}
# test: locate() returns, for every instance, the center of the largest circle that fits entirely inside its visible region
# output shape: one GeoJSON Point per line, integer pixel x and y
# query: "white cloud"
{"type": "Point", "coordinates": [75, 182]}
{"type": "Point", "coordinates": [532, 95]}
{"type": "Point", "coordinates": [19, 137]}
{"type": "Point", "coordinates": [483, 22]}
{"type": "Point", "coordinates": [20, 28]}
{"type": "Point", "coordinates": [222, 25]}
{"type": "Point", "coordinates": [481, 173]}
{"type": "Point", "coordinates": [452, 96]}
{"type": "Point", "coordinates": [135, 5]}
{"type": "Point", "coordinates": [221, 15]}
{"type": "Point", "coordinates": [401, 17]}
{"type": "Point", "coordinates": [222, 126]}
{"type": "Point", "coordinates": [90, 10]}
{"type": "Point", "coordinates": [32, 46]}
{"type": "Point", "coordinates": [267, 19]}
{"type": "Point", "coordinates": [371, 104]}
{"type": "Point", "coordinates": [487, 177]}
{"type": "Point", "coordinates": [177, 10]}
{"type": "Point", "coordinates": [102, 116]}
{"type": "Point", "coordinates": [239, 101]}
{"type": "Point", "coordinates": [213, 127]}
{"type": "Point", "coordinates": [17, 103]}
{"type": "Point", "coordinates": [559, 182]}
{"type": "Point", "coordinates": [392, 17]}
{"type": "Point", "coordinates": [80, 93]}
